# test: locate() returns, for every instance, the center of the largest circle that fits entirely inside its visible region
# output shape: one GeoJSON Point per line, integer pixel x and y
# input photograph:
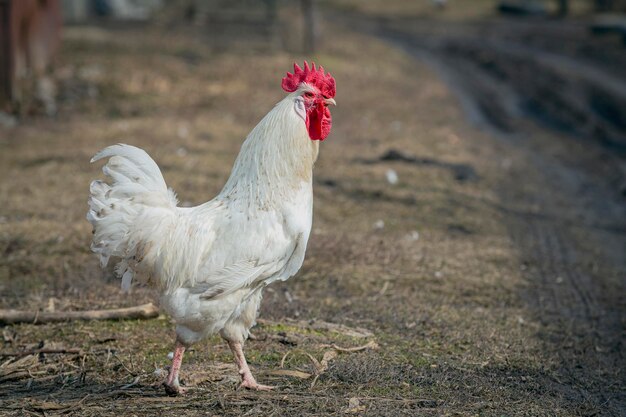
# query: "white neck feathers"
{"type": "Point", "coordinates": [275, 159]}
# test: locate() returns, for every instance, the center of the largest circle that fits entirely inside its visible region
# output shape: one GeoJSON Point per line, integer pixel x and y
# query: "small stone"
{"type": "Point", "coordinates": [182, 131]}
{"type": "Point", "coordinates": [392, 177]}
{"type": "Point", "coordinates": [396, 125]}
{"type": "Point", "coordinates": [354, 406]}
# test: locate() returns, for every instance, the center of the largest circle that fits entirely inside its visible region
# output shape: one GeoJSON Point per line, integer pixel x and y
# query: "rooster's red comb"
{"type": "Point", "coordinates": [316, 77]}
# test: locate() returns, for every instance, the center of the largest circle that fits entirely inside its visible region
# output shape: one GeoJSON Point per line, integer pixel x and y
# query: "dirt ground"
{"type": "Point", "coordinates": [489, 280]}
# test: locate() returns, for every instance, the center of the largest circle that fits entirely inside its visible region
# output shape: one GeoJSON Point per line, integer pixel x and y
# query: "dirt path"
{"type": "Point", "coordinates": [554, 72]}
{"type": "Point", "coordinates": [575, 257]}
{"type": "Point", "coordinates": [571, 230]}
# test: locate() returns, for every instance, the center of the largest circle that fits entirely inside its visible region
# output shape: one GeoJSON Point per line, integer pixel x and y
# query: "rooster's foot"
{"type": "Point", "coordinates": [174, 390]}
{"type": "Point", "coordinates": [250, 383]}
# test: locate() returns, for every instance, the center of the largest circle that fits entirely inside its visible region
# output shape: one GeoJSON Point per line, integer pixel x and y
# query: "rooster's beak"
{"type": "Point", "coordinates": [330, 101]}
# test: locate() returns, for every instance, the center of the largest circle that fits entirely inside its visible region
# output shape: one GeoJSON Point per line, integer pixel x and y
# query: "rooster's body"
{"type": "Point", "coordinates": [211, 262]}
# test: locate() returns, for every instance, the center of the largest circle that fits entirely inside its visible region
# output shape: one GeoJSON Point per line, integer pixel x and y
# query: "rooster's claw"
{"type": "Point", "coordinates": [174, 390]}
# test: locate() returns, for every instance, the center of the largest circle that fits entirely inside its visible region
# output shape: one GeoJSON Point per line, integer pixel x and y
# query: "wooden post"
{"type": "Point", "coordinates": [271, 11]}
{"type": "Point", "coordinates": [6, 56]}
{"type": "Point", "coordinates": [310, 25]}
{"type": "Point", "coordinates": [603, 5]}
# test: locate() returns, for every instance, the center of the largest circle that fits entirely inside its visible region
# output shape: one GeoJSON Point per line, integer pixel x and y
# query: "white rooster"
{"type": "Point", "coordinates": [210, 263]}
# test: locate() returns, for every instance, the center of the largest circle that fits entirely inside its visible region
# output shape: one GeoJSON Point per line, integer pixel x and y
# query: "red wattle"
{"type": "Point", "coordinates": [318, 123]}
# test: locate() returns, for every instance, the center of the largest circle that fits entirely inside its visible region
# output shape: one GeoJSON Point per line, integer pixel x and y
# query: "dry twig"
{"type": "Point", "coordinates": [320, 366]}
{"type": "Point", "coordinates": [70, 351]}
{"type": "Point", "coordinates": [146, 311]}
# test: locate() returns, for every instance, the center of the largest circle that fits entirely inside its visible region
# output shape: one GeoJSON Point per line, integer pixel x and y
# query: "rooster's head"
{"type": "Point", "coordinates": [315, 91]}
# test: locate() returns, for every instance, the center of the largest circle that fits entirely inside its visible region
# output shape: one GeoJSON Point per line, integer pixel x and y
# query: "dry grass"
{"type": "Point", "coordinates": [446, 305]}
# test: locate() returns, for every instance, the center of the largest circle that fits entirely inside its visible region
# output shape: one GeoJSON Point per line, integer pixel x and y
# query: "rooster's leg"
{"type": "Point", "coordinates": [172, 386]}
{"type": "Point", "coordinates": [247, 380]}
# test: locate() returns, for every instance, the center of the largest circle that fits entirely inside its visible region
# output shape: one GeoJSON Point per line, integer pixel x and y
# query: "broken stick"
{"type": "Point", "coordinates": [70, 351]}
{"type": "Point", "coordinates": [146, 311]}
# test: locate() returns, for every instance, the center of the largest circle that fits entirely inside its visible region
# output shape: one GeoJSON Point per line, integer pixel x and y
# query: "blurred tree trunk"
{"type": "Point", "coordinates": [271, 18]}
{"type": "Point", "coordinates": [271, 9]}
{"type": "Point", "coordinates": [603, 5]}
{"type": "Point", "coordinates": [6, 62]}
{"type": "Point", "coordinates": [310, 25]}
{"type": "Point", "coordinates": [610, 5]}
{"type": "Point", "coordinates": [563, 7]}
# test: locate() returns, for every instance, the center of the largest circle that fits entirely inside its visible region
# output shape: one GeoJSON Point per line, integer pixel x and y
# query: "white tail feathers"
{"type": "Point", "coordinates": [126, 212]}
{"type": "Point", "coordinates": [131, 165]}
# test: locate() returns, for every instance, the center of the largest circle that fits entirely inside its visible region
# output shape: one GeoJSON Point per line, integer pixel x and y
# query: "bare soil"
{"type": "Point", "coordinates": [489, 280]}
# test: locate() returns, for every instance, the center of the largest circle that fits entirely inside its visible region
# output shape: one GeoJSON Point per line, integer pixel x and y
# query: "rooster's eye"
{"type": "Point", "coordinates": [308, 94]}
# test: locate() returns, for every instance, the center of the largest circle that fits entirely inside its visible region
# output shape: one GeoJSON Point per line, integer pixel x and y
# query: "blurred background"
{"type": "Point", "coordinates": [559, 62]}
{"type": "Point", "coordinates": [470, 202]}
